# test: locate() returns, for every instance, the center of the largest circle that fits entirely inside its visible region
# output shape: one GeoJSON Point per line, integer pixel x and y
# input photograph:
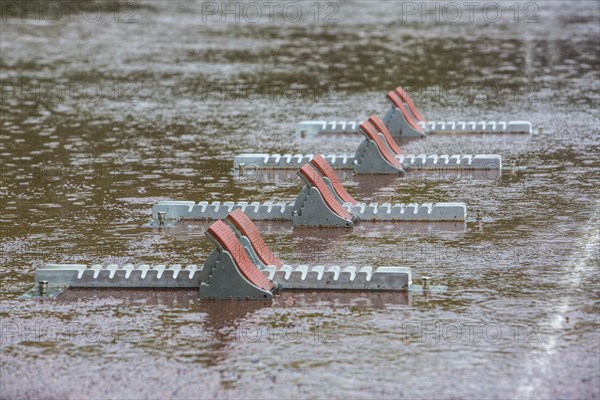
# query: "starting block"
{"type": "Point", "coordinates": [377, 154]}
{"type": "Point", "coordinates": [322, 202]}
{"type": "Point", "coordinates": [404, 119]}
{"type": "Point", "coordinates": [241, 267]}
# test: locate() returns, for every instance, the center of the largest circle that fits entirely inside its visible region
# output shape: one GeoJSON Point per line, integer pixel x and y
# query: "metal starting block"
{"type": "Point", "coordinates": [322, 202]}
{"type": "Point", "coordinates": [241, 267]}
{"type": "Point", "coordinates": [377, 154]}
{"type": "Point", "coordinates": [404, 119]}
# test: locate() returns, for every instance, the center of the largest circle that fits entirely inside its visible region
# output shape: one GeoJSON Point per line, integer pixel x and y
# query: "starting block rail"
{"type": "Point", "coordinates": [269, 211]}
{"type": "Point", "coordinates": [403, 119]}
{"type": "Point", "coordinates": [60, 277]}
{"type": "Point", "coordinates": [346, 161]}
{"type": "Point", "coordinates": [311, 128]}
{"type": "Point", "coordinates": [231, 271]}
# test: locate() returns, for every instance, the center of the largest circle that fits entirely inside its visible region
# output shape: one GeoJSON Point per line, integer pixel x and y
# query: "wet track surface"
{"type": "Point", "coordinates": [102, 119]}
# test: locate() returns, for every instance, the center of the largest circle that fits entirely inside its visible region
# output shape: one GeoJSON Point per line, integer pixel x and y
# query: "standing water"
{"type": "Point", "coordinates": [108, 108]}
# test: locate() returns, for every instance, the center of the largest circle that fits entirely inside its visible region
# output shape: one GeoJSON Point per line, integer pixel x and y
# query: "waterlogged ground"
{"type": "Point", "coordinates": [105, 114]}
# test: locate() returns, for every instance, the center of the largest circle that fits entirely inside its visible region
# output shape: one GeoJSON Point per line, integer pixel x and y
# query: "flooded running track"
{"type": "Point", "coordinates": [102, 118]}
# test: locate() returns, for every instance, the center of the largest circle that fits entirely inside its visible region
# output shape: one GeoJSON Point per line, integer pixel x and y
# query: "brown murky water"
{"type": "Point", "coordinates": [103, 115]}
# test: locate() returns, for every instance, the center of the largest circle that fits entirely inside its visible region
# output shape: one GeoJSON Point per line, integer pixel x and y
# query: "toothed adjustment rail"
{"type": "Point", "coordinates": [404, 119]}
{"type": "Point", "coordinates": [115, 276]}
{"type": "Point", "coordinates": [306, 277]}
{"type": "Point", "coordinates": [250, 162]}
